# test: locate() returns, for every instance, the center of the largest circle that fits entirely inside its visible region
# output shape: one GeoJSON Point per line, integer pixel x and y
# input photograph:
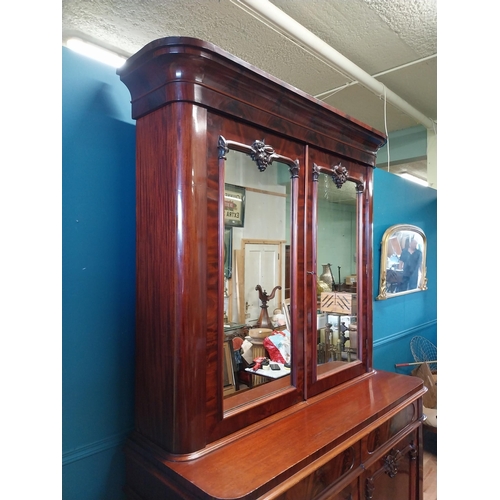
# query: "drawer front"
{"type": "Point", "coordinates": [396, 473]}
{"type": "Point", "coordinates": [325, 476]}
{"type": "Point", "coordinates": [376, 438]}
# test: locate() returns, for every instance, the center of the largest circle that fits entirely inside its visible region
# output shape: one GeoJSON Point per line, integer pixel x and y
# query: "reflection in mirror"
{"type": "Point", "coordinates": [402, 261]}
{"type": "Point", "coordinates": [257, 230]}
{"type": "Point", "coordinates": [336, 270]}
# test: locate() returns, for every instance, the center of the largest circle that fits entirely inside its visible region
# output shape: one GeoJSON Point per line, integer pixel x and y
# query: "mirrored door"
{"type": "Point", "coordinates": [336, 229]}
{"type": "Point", "coordinates": [337, 205]}
{"type": "Point", "coordinates": [257, 216]}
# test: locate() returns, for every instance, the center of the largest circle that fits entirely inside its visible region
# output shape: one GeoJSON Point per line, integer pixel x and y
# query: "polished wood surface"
{"type": "Point", "coordinates": [336, 435]}
{"type": "Point", "coordinates": [171, 276]}
{"type": "Point", "coordinates": [370, 415]}
{"type": "Point", "coordinates": [186, 69]}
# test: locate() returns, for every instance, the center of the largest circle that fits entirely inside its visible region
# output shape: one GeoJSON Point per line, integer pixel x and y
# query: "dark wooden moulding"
{"type": "Point", "coordinates": [356, 433]}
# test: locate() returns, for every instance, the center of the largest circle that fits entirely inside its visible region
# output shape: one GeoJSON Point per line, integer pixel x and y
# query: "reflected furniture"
{"type": "Point", "coordinates": [336, 430]}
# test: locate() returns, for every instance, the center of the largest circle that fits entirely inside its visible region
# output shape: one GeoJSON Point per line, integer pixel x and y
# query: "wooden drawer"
{"type": "Point", "coordinates": [395, 472]}
{"type": "Point", "coordinates": [317, 481]}
{"type": "Point", "coordinates": [376, 438]}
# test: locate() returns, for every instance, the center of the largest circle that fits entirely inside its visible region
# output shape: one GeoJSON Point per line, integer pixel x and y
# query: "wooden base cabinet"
{"type": "Point", "coordinates": [238, 172]}
{"type": "Point", "coordinates": [311, 453]}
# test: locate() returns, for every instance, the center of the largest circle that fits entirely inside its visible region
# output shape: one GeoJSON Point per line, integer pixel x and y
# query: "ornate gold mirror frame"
{"type": "Point", "coordinates": [402, 261]}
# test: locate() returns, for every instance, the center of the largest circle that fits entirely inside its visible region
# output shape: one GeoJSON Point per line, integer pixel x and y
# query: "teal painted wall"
{"type": "Point", "coordinates": [98, 230]}
{"type": "Point", "coordinates": [98, 278]}
{"type": "Point", "coordinates": [405, 145]}
{"type": "Point", "coordinates": [336, 239]}
{"type": "Point", "coordinates": [397, 320]}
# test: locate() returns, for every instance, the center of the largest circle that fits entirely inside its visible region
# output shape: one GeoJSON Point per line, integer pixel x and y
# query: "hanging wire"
{"type": "Point", "coordinates": [386, 132]}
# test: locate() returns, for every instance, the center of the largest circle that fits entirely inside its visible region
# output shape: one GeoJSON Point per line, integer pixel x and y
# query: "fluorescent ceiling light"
{"type": "Point", "coordinates": [95, 52]}
{"type": "Point", "coordinates": [417, 180]}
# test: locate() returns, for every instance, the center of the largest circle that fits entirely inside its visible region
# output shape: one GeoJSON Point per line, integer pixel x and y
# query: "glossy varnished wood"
{"type": "Point", "coordinates": [310, 435]}
{"type": "Point", "coordinates": [280, 453]}
{"type": "Point", "coordinates": [186, 69]}
{"type": "Point", "coordinates": [171, 219]}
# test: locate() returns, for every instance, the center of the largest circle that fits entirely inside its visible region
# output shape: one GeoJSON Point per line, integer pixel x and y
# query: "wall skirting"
{"type": "Point", "coordinates": [95, 447]}
{"type": "Point", "coordinates": [416, 330]}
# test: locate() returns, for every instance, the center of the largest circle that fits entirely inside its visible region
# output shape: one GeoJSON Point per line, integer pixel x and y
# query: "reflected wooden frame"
{"type": "Point", "coordinates": [287, 313]}
{"type": "Point", "coordinates": [228, 252]}
{"type": "Point", "coordinates": [229, 382]}
{"type": "Point", "coordinates": [393, 281]}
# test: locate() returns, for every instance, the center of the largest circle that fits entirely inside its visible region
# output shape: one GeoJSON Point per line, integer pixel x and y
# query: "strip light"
{"type": "Point", "coordinates": [413, 178]}
{"type": "Point", "coordinates": [95, 52]}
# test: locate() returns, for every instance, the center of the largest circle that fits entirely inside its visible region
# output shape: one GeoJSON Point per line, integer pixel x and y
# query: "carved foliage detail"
{"type": "Point", "coordinates": [259, 152]}
{"type": "Point", "coordinates": [339, 175]}
{"type": "Point", "coordinates": [391, 463]}
{"type": "Point", "coordinates": [390, 466]}
{"type": "Point", "coordinates": [262, 154]}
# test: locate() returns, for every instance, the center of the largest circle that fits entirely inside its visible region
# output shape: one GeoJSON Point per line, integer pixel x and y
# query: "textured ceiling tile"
{"type": "Point", "coordinates": [363, 105]}
{"type": "Point", "coordinates": [352, 29]}
{"type": "Point", "coordinates": [416, 84]}
{"type": "Point", "coordinates": [415, 22]}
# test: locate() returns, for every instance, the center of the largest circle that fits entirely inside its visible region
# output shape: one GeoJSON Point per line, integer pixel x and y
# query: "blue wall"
{"type": "Point", "coordinates": [405, 145]}
{"type": "Point", "coordinates": [98, 230]}
{"type": "Point", "coordinates": [98, 297]}
{"type": "Point", "coordinates": [397, 320]}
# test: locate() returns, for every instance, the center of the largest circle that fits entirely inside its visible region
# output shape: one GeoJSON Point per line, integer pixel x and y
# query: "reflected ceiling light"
{"type": "Point", "coordinates": [95, 52]}
{"type": "Point", "coordinates": [413, 178]}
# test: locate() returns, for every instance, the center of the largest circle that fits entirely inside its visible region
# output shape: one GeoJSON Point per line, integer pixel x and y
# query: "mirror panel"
{"type": "Point", "coordinates": [257, 233]}
{"type": "Point", "coordinates": [336, 230]}
{"type": "Point", "coordinates": [402, 261]}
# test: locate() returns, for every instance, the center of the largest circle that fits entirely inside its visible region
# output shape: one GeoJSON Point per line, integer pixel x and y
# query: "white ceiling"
{"type": "Point", "coordinates": [394, 36]}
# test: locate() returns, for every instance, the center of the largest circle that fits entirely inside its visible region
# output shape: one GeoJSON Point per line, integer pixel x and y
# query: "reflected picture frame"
{"type": "Point", "coordinates": [234, 205]}
{"type": "Point", "coordinates": [403, 256]}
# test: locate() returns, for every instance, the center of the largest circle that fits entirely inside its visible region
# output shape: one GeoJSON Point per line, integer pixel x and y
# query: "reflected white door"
{"type": "Point", "coordinates": [262, 267]}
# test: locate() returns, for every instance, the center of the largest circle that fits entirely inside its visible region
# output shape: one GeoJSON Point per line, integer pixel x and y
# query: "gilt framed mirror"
{"type": "Point", "coordinates": [402, 261]}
